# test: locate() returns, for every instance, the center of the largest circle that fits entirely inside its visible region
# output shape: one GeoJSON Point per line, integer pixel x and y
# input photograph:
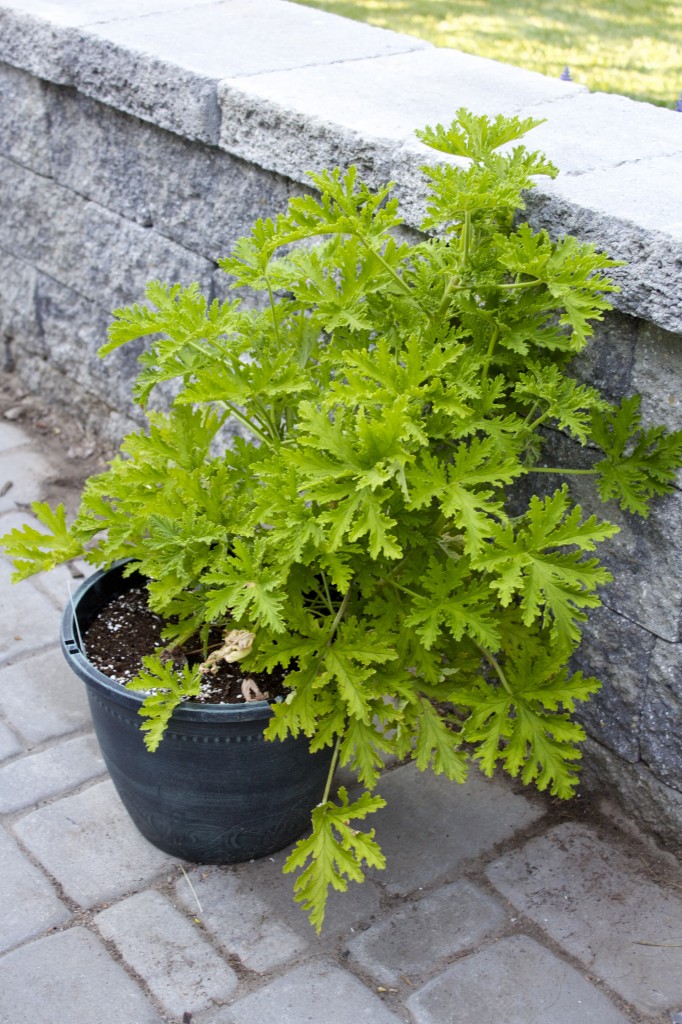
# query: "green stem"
{"type": "Point", "coordinates": [465, 237]}
{"type": "Point", "coordinates": [489, 354]}
{"type": "Point", "coordinates": [332, 769]}
{"type": "Point", "coordinates": [399, 586]}
{"type": "Point", "coordinates": [272, 310]}
{"type": "Point", "coordinates": [492, 660]}
{"type": "Point", "coordinates": [247, 422]}
{"type": "Point", "coordinates": [339, 615]}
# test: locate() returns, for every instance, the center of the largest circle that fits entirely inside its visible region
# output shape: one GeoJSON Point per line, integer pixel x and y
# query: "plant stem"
{"type": "Point", "coordinates": [489, 354]}
{"type": "Point", "coordinates": [332, 769]}
{"type": "Point", "coordinates": [492, 660]}
{"type": "Point", "coordinates": [247, 422]}
{"type": "Point", "coordinates": [273, 310]}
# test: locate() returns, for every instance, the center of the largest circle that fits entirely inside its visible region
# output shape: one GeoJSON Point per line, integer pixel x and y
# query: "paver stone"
{"type": "Point", "coordinates": [88, 842]}
{"type": "Point", "coordinates": [603, 908]}
{"type": "Point", "coordinates": [28, 903]}
{"type": "Point", "coordinates": [69, 977]}
{"type": "Point", "coordinates": [166, 949]}
{"type": "Point", "coordinates": [516, 981]}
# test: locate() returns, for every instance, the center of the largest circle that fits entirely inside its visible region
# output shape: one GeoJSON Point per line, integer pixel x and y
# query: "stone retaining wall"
{"type": "Point", "coordinates": [140, 138]}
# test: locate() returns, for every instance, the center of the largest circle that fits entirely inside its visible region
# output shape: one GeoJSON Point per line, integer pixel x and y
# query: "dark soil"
{"type": "Point", "coordinates": [126, 630]}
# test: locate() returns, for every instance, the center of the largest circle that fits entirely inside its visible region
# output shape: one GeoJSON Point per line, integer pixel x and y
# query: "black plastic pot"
{"type": "Point", "coordinates": [215, 791]}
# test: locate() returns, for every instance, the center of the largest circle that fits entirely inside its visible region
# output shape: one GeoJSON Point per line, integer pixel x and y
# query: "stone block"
{"type": "Point", "coordinates": [447, 922]}
{"type": "Point", "coordinates": [292, 998]}
{"type": "Point", "coordinates": [28, 903]}
{"type": "Point", "coordinates": [617, 652]}
{"type": "Point", "coordinates": [431, 825]}
{"type": "Point", "coordinates": [30, 622]}
{"type": "Point", "coordinates": [64, 835]}
{"type": "Point", "coordinates": [21, 479]}
{"type": "Point", "coordinates": [164, 67]}
{"type": "Point", "coordinates": [630, 213]}
{"type": "Point", "coordinates": [600, 130]}
{"type": "Point", "coordinates": [99, 152]}
{"type": "Point", "coordinates": [516, 981]}
{"type": "Point", "coordinates": [649, 803]}
{"type": "Point", "coordinates": [35, 777]}
{"type": "Point", "coordinates": [607, 362]}
{"type": "Point", "coordinates": [656, 372]}
{"type": "Point", "coordinates": [18, 325]}
{"type": "Point", "coordinates": [9, 744]}
{"type": "Point", "coordinates": [42, 39]}
{"type": "Point", "coordinates": [317, 116]}
{"type": "Point", "coordinates": [122, 163]}
{"type": "Point", "coordinates": [24, 123]}
{"type": "Point", "coordinates": [12, 437]}
{"type": "Point", "coordinates": [603, 909]}
{"type": "Point", "coordinates": [249, 910]}
{"type": "Point", "coordinates": [662, 714]}
{"type": "Point", "coordinates": [33, 43]}
{"type": "Point", "coordinates": [69, 977]}
{"type": "Point", "coordinates": [96, 253]}
{"type": "Point", "coordinates": [42, 699]}
{"type": "Point", "coordinates": [182, 971]}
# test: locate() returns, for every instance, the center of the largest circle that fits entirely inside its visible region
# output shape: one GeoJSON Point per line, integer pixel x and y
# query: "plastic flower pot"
{"type": "Point", "coordinates": [215, 791]}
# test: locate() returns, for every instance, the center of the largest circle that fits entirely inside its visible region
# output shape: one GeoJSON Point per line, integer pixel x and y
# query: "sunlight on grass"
{"type": "Point", "coordinates": [632, 47]}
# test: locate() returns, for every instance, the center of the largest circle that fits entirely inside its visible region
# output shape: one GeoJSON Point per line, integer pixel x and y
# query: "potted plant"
{"type": "Point", "coordinates": [364, 534]}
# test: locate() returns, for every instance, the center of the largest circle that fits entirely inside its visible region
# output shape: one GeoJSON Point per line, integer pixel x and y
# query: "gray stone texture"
{"type": "Point", "coordinates": [28, 618]}
{"type": "Point", "coordinates": [265, 117]}
{"type": "Point", "coordinates": [63, 835]}
{"type": "Point", "coordinates": [28, 903]}
{"type": "Point", "coordinates": [249, 910]}
{"type": "Point", "coordinates": [19, 479]}
{"type": "Point", "coordinates": [653, 805]}
{"type": "Point", "coordinates": [516, 981]}
{"type": "Point", "coordinates": [58, 769]}
{"type": "Point", "coordinates": [431, 825]}
{"type": "Point", "coordinates": [100, 255]}
{"type": "Point", "coordinates": [24, 122]}
{"type": "Point", "coordinates": [36, 989]}
{"type": "Point", "coordinates": [618, 653]}
{"type": "Point", "coordinates": [9, 744]}
{"type": "Point", "coordinates": [316, 991]}
{"type": "Point", "coordinates": [662, 715]}
{"type": "Point", "coordinates": [450, 921]}
{"type": "Point", "coordinates": [581, 890]}
{"type": "Point", "coordinates": [168, 951]}
{"type": "Point", "coordinates": [42, 699]}
{"type": "Point", "coordinates": [122, 163]}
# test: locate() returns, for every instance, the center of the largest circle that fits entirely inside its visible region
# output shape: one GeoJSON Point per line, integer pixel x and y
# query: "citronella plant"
{"type": "Point", "coordinates": [392, 394]}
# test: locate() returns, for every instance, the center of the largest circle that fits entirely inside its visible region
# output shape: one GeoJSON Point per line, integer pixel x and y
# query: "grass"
{"type": "Point", "coordinates": [633, 47]}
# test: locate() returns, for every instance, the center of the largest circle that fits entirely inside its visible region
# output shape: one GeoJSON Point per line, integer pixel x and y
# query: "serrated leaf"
{"type": "Point", "coordinates": [170, 686]}
{"type": "Point", "coordinates": [334, 853]}
{"type": "Point", "coordinates": [640, 463]}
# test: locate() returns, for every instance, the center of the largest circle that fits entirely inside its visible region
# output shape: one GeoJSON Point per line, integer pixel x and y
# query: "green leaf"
{"type": "Point", "coordinates": [525, 724]}
{"type": "Point", "coordinates": [334, 854]}
{"type": "Point", "coordinates": [437, 745]}
{"type": "Point", "coordinates": [170, 686]}
{"type": "Point", "coordinates": [476, 136]}
{"type": "Point", "coordinates": [640, 463]}
{"type": "Point", "coordinates": [34, 550]}
{"type": "Point", "coordinates": [553, 585]}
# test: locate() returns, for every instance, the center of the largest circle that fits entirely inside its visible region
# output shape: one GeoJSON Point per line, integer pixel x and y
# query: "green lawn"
{"type": "Point", "coordinates": [632, 47]}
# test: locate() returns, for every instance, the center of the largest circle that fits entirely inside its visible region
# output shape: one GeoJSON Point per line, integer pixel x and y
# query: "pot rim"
{"type": "Point", "coordinates": [85, 670]}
